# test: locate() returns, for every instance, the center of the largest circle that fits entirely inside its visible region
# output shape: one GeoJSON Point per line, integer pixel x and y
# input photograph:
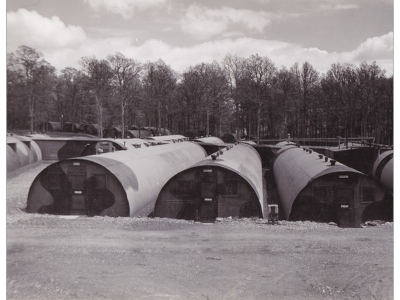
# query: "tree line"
{"type": "Point", "coordinates": [248, 96]}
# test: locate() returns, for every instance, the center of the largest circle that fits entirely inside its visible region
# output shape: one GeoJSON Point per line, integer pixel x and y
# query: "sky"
{"type": "Point", "coordinates": [185, 33]}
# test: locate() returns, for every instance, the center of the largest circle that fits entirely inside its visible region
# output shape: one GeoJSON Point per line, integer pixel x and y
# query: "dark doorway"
{"type": "Point", "coordinates": [344, 196]}
{"type": "Point", "coordinates": [77, 179]}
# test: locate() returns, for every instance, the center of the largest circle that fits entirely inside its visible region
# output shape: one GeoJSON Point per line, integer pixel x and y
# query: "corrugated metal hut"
{"type": "Point", "coordinates": [229, 185]}
{"type": "Point", "coordinates": [111, 145]}
{"type": "Point", "coordinates": [162, 131]}
{"type": "Point", "coordinates": [248, 142]}
{"type": "Point", "coordinates": [312, 188]}
{"type": "Point", "coordinates": [116, 184]}
{"type": "Point", "coordinates": [210, 144]}
{"type": "Point", "coordinates": [92, 129]}
{"type": "Point", "coordinates": [167, 138]}
{"type": "Point", "coordinates": [21, 151]}
{"type": "Point", "coordinates": [50, 126]}
{"type": "Point", "coordinates": [133, 127]}
{"type": "Point", "coordinates": [71, 127]}
{"type": "Point", "coordinates": [63, 148]}
{"type": "Point", "coordinates": [285, 143]}
{"type": "Point", "coordinates": [210, 140]}
{"type": "Point", "coordinates": [142, 133]}
{"type": "Point", "coordinates": [383, 169]}
{"type": "Point", "coordinates": [112, 132]}
{"type": "Point", "coordinates": [230, 138]}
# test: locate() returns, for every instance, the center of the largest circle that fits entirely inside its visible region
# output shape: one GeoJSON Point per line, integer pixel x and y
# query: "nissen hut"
{"type": "Point", "coordinates": [115, 184]}
{"type": "Point", "coordinates": [315, 188]}
{"type": "Point", "coordinates": [225, 184]}
{"type": "Point", "coordinates": [383, 170]}
{"type": "Point", "coordinates": [21, 151]}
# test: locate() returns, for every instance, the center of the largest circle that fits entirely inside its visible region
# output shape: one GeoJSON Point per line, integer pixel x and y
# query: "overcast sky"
{"type": "Point", "coordinates": [184, 33]}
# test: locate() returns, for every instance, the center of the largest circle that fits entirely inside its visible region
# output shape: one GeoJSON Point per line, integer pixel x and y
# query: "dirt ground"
{"type": "Point", "coordinates": [54, 257]}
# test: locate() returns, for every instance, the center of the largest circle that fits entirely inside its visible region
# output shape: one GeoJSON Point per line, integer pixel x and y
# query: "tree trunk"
{"type": "Point", "coordinates": [100, 116]}
{"type": "Point", "coordinates": [122, 120]}
{"type": "Point", "coordinates": [31, 112]}
{"type": "Point", "coordinates": [207, 121]}
{"type": "Point", "coordinates": [258, 123]}
{"type": "Point", "coordinates": [158, 117]}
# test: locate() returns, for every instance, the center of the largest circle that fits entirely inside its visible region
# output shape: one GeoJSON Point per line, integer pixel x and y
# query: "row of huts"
{"type": "Point", "coordinates": [113, 131]}
{"type": "Point", "coordinates": [180, 179]}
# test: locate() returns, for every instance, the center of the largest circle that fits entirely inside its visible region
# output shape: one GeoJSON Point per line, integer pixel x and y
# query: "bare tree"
{"type": "Point", "coordinates": [126, 76]}
{"type": "Point", "coordinates": [234, 67]}
{"type": "Point", "coordinates": [69, 93]}
{"type": "Point", "coordinates": [99, 76]}
{"type": "Point", "coordinates": [37, 78]}
{"type": "Point", "coordinates": [308, 83]}
{"type": "Point", "coordinates": [159, 83]}
{"type": "Point", "coordinates": [212, 88]}
{"type": "Point", "coordinates": [370, 77]}
{"type": "Point", "coordinates": [286, 86]}
{"type": "Point", "coordinates": [261, 72]}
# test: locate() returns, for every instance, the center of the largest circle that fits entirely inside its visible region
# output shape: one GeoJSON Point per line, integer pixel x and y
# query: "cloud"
{"type": "Point", "coordinates": [339, 6]}
{"type": "Point", "coordinates": [345, 6]}
{"type": "Point", "coordinates": [31, 29]}
{"type": "Point", "coordinates": [126, 8]}
{"type": "Point", "coordinates": [375, 48]}
{"type": "Point", "coordinates": [202, 23]}
{"type": "Point", "coordinates": [64, 45]}
{"type": "Point", "coordinates": [379, 49]}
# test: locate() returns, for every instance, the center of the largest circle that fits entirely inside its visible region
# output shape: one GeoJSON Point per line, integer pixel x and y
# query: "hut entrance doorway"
{"type": "Point", "coordinates": [344, 202]}
{"type": "Point", "coordinates": [208, 195]}
{"type": "Point", "coordinates": [77, 178]}
{"type": "Point", "coordinates": [208, 201]}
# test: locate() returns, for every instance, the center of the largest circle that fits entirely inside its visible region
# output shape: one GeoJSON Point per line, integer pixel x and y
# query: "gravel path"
{"type": "Point", "coordinates": [54, 257]}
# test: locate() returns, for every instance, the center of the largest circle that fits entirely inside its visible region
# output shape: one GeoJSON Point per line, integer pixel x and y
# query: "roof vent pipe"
{"type": "Point", "coordinates": [333, 162]}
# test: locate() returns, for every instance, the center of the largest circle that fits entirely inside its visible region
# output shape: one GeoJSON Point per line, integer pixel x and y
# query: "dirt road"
{"type": "Point", "coordinates": [50, 257]}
